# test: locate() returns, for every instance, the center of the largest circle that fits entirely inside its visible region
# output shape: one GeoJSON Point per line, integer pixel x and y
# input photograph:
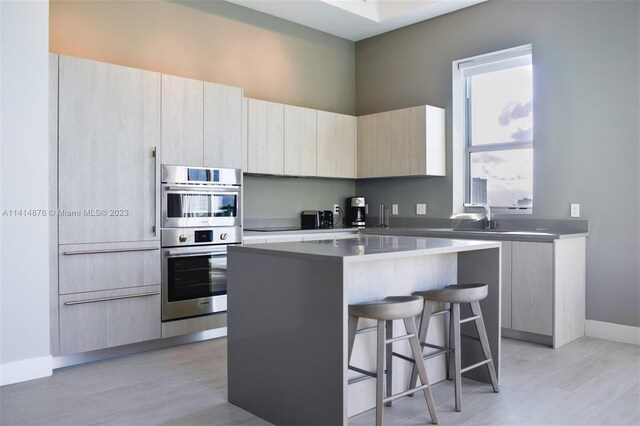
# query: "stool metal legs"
{"type": "Point", "coordinates": [482, 332]}
{"type": "Point", "coordinates": [454, 368]}
{"type": "Point", "coordinates": [384, 358]}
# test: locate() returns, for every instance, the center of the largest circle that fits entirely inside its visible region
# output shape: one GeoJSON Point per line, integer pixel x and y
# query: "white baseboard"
{"type": "Point", "coordinates": [612, 331]}
{"type": "Point", "coordinates": [26, 369]}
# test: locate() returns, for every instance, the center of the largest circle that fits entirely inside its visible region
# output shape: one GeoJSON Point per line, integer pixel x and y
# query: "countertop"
{"type": "Point", "coordinates": [366, 247]}
{"type": "Point", "coordinates": [544, 236]}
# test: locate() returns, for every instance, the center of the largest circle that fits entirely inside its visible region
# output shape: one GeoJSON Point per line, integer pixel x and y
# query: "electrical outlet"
{"type": "Point", "coordinates": [575, 210]}
{"type": "Point", "coordinates": [336, 208]}
{"type": "Point", "coordinates": [394, 209]}
{"type": "Point", "coordinates": [421, 209]}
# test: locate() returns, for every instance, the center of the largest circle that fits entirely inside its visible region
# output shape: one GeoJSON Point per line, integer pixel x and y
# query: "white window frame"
{"type": "Point", "coordinates": [462, 150]}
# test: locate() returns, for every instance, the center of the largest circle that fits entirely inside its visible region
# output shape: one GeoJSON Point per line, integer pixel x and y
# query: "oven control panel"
{"type": "Point", "coordinates": [176, 237]}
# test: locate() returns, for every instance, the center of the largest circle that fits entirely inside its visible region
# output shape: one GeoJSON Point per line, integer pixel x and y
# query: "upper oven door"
{"type": "Point", "coordinates": [200, 205]}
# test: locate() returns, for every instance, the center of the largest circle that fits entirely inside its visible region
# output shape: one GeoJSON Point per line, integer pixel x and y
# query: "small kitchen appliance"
{"type": "Point", "coordinates": [316, 219]}
{"type": "Point", "coordinates": [356, 207]}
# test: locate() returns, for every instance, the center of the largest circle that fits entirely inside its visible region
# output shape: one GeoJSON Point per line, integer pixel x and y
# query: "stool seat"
{"type": "Point", "coordinates": [389, 308]}
{"type": "Point", "coordinates": [460, 293]}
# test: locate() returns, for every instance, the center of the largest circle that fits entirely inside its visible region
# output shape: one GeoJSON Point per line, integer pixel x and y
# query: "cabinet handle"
{"type": "Point", "coordinates": [155, 189]}
{"type": "Point", "coordinates": [122, 250]}
{"type": "Point", "coordinates": [105, 299]}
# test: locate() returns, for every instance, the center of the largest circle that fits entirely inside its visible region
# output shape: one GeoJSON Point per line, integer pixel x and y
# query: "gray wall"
{"type": "Point", "coordinates": [586, 78]}
{"type": "Point", "coordinates": [270, 58]}
{"type": "Point", "coordinates": [24, 279]}
{"type": "Point", "coordinates": [285, 198]}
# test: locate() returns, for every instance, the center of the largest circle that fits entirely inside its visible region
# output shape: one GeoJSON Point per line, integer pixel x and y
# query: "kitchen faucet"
{"type": "Point", "coordinates": [490, 222]}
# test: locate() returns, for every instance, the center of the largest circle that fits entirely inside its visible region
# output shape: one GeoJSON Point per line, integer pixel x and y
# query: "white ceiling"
{"type": "Point", "coordinates": [356, 19]}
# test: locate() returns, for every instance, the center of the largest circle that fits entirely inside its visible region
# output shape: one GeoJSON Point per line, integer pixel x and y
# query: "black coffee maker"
{"type": "Point", "coordinates": [356, 206]}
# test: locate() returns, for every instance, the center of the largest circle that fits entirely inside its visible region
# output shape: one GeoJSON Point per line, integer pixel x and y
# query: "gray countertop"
{"type": "Point", "coordinates": [367, 247]}
{"type": "Point", "coordinates": [542, 235]}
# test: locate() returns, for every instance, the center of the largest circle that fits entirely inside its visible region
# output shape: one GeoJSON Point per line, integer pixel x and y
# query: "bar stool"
{"type": "Point", "coordinates": [454, 295]}
{"type": "Point", "coordinates": [385, 311]}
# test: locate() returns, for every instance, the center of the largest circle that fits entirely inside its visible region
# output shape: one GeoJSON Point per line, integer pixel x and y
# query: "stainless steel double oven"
{"type": "Point", "coordinates": [201, 217]}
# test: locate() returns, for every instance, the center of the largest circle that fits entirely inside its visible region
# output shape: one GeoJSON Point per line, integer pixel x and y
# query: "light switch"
{"type": "Point", "coordinates": [421, 209]}
{"type": "Point", "coordinates": [394, 209]}
{"type": "Point", "coordinates": [575, 210]}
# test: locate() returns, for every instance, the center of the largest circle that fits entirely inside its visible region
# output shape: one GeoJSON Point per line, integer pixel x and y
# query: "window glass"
{"type": "Point", "coordinates": [502, 106]}
{"type": "Point", "coordinates": [502, 178]}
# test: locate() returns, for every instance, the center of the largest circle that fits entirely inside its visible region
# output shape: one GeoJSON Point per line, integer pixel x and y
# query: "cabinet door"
{"type": "Point", "coordinates": [506, 283]}
{"type": "Point", "coordinates": [222, 126]}
{"type": "Point", "coordinates": [337, 141]}
{"type": "Point", "coordinates": [182, 109]}
{"type": "Point", "coordinates": [103, 319]}
{"type": "Point", "coordinates": [93, 267]}
{"type": "Point", "coordinates": [109, 126]}
{"type": "Point", "coordinates": [532, 287]}
{"type": "Point", "coordinates": [265, 137]}
{"type": "Point", "coordinates": [409, 149]}
{"type": "Point", "coordinates": [299, 141]}
{"type": "Point", "coordinates": [374, 145]}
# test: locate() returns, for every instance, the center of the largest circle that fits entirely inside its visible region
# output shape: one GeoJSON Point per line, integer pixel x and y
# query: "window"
{"type": "Point", "coordinates": [498, 129]}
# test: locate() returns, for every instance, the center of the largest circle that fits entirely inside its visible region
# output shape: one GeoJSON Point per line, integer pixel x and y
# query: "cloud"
{"type": "Point", "coordinates": [487, 158]}
{"type": "Point", "coordinates": [522, 134]}
{"type": "Point", "coordinates": [513, 111]}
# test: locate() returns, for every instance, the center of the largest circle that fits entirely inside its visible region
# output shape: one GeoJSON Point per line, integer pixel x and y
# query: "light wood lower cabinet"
{"type": "Point", "coordinates": [532, 287]}
{"type": "Point", "coordinates": [93, 267]}
{"type": "Point", "coordinates": [543, 290]}
{"type": "Point", "coordinates": [103, 319]}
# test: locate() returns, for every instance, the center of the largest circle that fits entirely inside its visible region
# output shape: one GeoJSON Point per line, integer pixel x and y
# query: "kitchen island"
{"type": "Point", "coordinates": [287, 319]}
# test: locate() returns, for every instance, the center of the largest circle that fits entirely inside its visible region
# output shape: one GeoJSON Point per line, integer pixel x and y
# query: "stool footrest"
{"type": "Point", "coordinates": [476, 365]}
{"type": "Point", "coordinates": [441, 312]}
{"type": "Point", "coordinates": [470, 337]}
{"type": "Point", "coordinates": [403, 357]}
{"type": "Point", "coordinates": [366, 330]}
{"type": "Point", "coordinates": [434, 354]}
{"type": "Point", "coordinates": [361, 371]}
{"type": "Point", "coordinates": [432, 346]}
{"type": "Point", "coordinates": [473, 318]}
{"type": "Point", "coordinates": [395, 339]}
{"type": "Point", "coordinates": [405, 393]}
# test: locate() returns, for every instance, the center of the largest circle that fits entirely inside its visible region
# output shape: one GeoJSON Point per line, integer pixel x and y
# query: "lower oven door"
{"type": "Point", "coordinates": [194, 281]}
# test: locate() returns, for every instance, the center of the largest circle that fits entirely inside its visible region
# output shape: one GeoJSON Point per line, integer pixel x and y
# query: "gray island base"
{"type": "Point", "coordinates": [287, 319]}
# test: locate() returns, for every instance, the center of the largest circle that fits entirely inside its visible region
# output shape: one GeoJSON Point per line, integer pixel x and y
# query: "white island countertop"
{"type": "Point", "coordinates": [367, 247]}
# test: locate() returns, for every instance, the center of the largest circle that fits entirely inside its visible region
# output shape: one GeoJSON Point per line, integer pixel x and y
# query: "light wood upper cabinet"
{"type": "Point", "coordinates": [222, 126]}
{"type": "Point", "coordinates": [337, 145]}
{"type": "Point", "coordinates": [109, 126]}
{"type": "Point", "coordinates": [532, 287]}
{"type": "Point", "coordinates": [405, 142]}
{"type": "Point", "coordinates": [299, 141]}
{"type": "Point", "coordinates": [265, 137]}
{"type": "Point", "coordinates": [374, 145]}
{"type": "Point", "coordinates": [182, 121]}
{"type": "Point", "coordinates": [418, 141]}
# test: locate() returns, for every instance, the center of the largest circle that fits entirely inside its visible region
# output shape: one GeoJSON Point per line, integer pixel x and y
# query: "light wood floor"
{"type": "Point", "coordinates": [589, 381]}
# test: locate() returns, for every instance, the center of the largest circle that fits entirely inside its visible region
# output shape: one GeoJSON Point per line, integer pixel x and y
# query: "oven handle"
{"type": "Point", "coordinates": [197, 253]}
{"type": "Point", "coordinates": [211, 188]}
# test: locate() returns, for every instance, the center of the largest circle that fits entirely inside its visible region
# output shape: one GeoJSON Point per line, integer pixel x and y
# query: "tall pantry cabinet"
{"type": "Point", "coordinates": [108, 129]}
